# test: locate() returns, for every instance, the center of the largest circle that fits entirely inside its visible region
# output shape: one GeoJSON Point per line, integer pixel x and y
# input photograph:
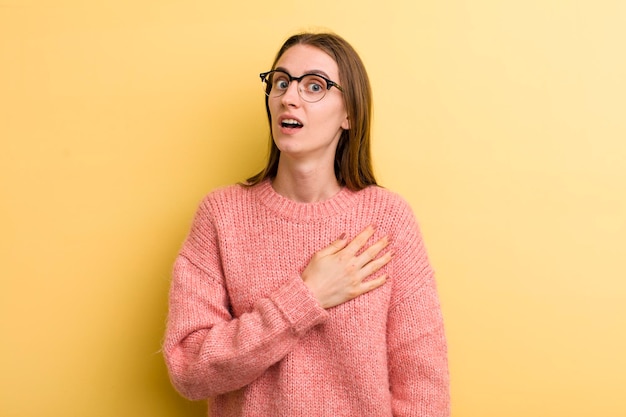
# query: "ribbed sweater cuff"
{"type": "Point", "coordinates": [299, 306]}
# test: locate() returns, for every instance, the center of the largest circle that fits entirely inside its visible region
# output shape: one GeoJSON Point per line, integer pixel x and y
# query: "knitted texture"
{"type": "Point", "coordinates": [245, 330]}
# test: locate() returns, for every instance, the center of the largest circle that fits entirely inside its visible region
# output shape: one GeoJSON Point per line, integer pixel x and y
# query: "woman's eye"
{"type": "Point", "coordinates": [281, 84]}
{"type": "Point", "coordinates": [314, 87]}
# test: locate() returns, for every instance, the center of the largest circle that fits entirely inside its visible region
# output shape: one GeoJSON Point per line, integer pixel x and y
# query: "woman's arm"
{"type": "Point", "coordinates": [208, 352]}
{"type": "Point", "coordinates": [418, 364]}
{"type": "Point", "coordinates": [418, 357]}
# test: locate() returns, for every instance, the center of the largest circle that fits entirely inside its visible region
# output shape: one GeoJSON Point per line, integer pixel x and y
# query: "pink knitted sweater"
{"type": "Point", "coordinates": [244, 329]}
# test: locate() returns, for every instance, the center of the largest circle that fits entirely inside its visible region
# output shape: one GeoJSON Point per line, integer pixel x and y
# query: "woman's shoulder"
{"type": "Point", "coordinates": [227, 193]}
{"type": "Point", "coordinates": [389, 208]}
{"type": "Point", "coordinates": [223, 199]}
{"type": "Point", "coordinates": [385, 198]}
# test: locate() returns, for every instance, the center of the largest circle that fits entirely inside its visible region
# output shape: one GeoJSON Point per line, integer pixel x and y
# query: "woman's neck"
{"type": "Point", "coordinates": [305, 184]}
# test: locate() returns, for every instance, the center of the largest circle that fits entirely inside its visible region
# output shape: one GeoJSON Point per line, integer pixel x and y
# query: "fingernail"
{"type": "Point", "coordinates": [343, 236]}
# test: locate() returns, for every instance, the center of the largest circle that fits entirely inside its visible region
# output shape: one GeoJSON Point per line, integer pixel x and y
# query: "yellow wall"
{"type": "Point", "coordinates": [502, 122]}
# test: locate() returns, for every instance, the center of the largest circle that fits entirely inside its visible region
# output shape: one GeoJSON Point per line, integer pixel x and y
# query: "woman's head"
{"type": "Point", "coordinates": [353, 167]}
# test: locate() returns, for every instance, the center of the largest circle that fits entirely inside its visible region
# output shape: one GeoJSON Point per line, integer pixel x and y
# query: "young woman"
{"type": "Point", "coordinates": [307, 291]}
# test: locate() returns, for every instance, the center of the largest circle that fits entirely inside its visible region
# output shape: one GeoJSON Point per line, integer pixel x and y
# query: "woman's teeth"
{"type": "Point", "coordinates": [290, 123]}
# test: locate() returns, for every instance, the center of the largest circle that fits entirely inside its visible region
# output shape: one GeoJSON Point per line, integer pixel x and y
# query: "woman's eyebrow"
{"type": "Point", "coordinates": [312, 72]}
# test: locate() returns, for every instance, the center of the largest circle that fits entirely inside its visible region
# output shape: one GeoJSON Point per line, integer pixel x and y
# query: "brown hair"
{"type": "Point", "coordinates": [353, 162]}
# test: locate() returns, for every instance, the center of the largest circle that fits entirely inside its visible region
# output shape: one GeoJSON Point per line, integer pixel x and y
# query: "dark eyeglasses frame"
{"type": "Point", "coordinates": [329, 83]}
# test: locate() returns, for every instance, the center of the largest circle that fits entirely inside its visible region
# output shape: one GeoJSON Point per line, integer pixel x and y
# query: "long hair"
{"type": "Point", "coordinates": [353, 162]}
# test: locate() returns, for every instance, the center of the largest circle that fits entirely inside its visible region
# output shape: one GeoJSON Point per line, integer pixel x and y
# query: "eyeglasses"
{"type": "Point", "coordinates": [311, 87]}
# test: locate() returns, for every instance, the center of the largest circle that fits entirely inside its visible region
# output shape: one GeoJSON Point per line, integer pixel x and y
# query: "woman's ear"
{"type": "Point", "coordinates": [346, 124]}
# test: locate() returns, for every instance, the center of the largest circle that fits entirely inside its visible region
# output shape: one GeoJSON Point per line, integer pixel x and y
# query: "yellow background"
{"type": "Point", "coordinates": [502, 122]}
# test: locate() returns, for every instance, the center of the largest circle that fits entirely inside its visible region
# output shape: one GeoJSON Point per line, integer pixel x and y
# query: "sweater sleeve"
{"type": "Point", "coordinates": [418, 365]}
{"type": "Point", "coordinates": [208, 351]}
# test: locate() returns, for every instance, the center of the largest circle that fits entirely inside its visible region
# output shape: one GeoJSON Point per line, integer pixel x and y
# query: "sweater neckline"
{"type": "Point", "coordinates": [297, 211]}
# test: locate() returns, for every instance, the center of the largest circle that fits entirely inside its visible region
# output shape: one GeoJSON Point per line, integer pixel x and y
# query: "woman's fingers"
{"type": "Point", "coordinates": [374, 265]}
{"type": "Point", "coordinates": [355, 245]}
{"type": "Point", "coordinates": [374, 283]}
{"type": "Point", "coordinates": [372, 252]}
{"type": "Point", "coordinates": [335, 246]}
{"type": "Point", "coordinates": [335, 274]}
{"type": "Point", "coordinates": [359, 241]}
{"type": "Point", "coordinates": [367, 286]}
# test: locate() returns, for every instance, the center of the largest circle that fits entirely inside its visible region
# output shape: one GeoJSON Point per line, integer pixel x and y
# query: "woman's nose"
{"type": "Point", "coordinates": [292, 95]}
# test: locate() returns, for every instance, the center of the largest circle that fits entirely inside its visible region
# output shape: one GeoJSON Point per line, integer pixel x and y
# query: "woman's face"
{"type": "Point", "coordinates": [320, 124]}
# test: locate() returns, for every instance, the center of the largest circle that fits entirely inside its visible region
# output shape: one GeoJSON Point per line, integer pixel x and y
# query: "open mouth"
{"type": "Point", "coordinates": [291, 124]}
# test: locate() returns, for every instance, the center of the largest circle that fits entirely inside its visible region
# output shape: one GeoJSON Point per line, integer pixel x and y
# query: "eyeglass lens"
{"type": "Point", "coordinates": [311, 87]}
